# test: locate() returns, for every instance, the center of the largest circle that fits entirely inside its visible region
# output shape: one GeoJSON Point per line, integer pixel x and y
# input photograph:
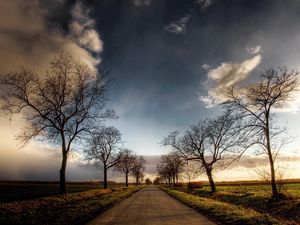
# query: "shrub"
{"type": "Point", "coordinates": [178, 184]}
{"type": "Point", "coordinates": [193, 185]}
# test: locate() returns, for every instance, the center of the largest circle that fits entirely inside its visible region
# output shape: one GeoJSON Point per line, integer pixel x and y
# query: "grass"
{"type": "Point", "coordinates": [222, 212]}
{"type": "Point", "coordinates": [18, 190]}
{"type": "Point", "coordinates": [256, 197]}
{"type": "Point", "coordinates": [72, 208]}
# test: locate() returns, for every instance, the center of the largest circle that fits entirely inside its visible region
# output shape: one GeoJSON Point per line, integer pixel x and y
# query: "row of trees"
{"type": "Point", "coordinates": [67, 106]}
{"type": "Point", "coordinates": [104, 150]}
{"type": "Point", "coordinates": [248, 120]}
{"type": "Point", "coordinates": [173, 168]}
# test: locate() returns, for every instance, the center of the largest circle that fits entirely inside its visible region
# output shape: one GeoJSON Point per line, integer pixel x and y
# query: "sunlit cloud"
{"type": "Point", "coordinates": [225, 76]}
{"type": "Point", "coordinates": [83, 31]}
{"type": "Point", "coordinates": [28, 40]}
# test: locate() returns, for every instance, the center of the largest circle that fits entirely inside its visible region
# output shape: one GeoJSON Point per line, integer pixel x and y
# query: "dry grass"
{"type": "Point", "coordinates": [74, 208]}
{"type": "Point", "coordinates": [222, 212]}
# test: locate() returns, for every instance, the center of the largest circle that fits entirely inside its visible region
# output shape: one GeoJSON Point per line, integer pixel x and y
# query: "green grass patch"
{"type": "Point", "coordinates": [222, 212]}
{"type": "Point", "coordinates": [73, 208]}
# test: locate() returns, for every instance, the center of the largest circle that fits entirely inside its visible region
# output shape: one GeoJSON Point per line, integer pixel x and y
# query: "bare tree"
{"type": "Point", "coordinates": [139, 169]}
{"type": "Point", "coordinates": [104, 149]}
{"type": "Point", "coordinates": [256, 104]}
{"type": "Point", "coordinates": [213, 143]}
{"type": "Point", "coordinates": [170, 167]}
{"type": "Point", "coordinates": [61, 106]}
{"type": "Point", "coordinates": [126, 163]}
{"type": "Point", "coordinates": [191, 170]}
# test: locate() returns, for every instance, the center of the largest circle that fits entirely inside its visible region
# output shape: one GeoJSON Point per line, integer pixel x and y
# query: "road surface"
{"type": "Point", "coordinates": [150, 206]}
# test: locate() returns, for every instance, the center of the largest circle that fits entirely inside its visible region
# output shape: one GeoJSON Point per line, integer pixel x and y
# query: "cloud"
{"type": "Point", "coordinates": [179, 26]}
{"type": "Point", "coordinates": [28, 39]}
{"type": "Point", "coordinates": [204, 4]}
{"type": "Point", "coordinates": [140, 3]}
{"type": "Point", "coordinates": [225, 76]}
{"type": "Point", "coordinates": [82, 29]}
{"type": "Point", "coordinates": [206, 66]}
{"type": "Point", "coordinates": [253, 50]}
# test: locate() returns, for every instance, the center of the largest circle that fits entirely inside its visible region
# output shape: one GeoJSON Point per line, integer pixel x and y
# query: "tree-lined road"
{"type": "Point", "coordinates": [150, 206]}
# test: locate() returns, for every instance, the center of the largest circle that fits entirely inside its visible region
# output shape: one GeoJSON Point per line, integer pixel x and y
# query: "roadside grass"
{"type": "Point", "coordinates": [73, 208]}
{"type": "Point", "coordinates": [258, 198]}
{"type": "Point", "coordinates": [222, 212]}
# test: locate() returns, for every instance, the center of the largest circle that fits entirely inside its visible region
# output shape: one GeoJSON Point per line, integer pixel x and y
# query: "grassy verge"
{"type": "Point", "coordinates": [74, 208]}
{"type": "Point", "coordinates": [258, 198]}
{"type": "Point", "coordinates": [287, 209]}
{"type": "Point", "coordinates": [222, 212]}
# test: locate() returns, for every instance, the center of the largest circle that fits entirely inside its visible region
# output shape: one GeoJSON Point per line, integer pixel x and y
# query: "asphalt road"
{"type": "Point", "coordinates": [150, 206]}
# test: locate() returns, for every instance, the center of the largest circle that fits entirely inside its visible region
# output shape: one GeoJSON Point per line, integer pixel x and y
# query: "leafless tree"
{"type": "Point", "coordinates": [104, 149]}
{"type": "Point", "coordinates": [61, 106]}
{"type": "Point", "coordinates": [139, 169]}
{"type": "Point", "coordinates": [191, 170]}
{"type": "Point", "coordinates": [170, 167]}
{"type": "Point", "coordinates": [126, 163]}
{"type": "Point", "coordinates": [213, 143]}
{"type": "Point", "coordinates": [256, 104]}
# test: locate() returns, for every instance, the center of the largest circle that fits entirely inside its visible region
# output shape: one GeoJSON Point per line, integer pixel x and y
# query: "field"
{"type": "Point", "coordinates": [255, 197]}
{"type": "Point", "coordinates": [73, 208]}
{"type": "Point", "coordinates": [18, 190]}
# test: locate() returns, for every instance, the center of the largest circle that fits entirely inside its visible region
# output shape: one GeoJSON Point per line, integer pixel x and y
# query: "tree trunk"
{"type": "Point", "coordinates": [126, 180]}
{"type": "Point", "coordinates": [105, 177]}
{"type": "Point", "coordinates": [269, 151]}
{"type": "Point", "coordinates": [210, 179]}
{"type": "Point", "coordinates": [62, 181]}
{"type": "Point", "coordinates": [137, 180]}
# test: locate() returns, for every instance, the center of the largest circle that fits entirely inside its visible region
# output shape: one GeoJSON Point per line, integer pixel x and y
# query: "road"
{"type": "Point", "coordinates": [150, 206]}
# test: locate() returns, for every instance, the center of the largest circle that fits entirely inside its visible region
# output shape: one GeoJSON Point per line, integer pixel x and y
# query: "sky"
{"type": "Point", "coordinates": [170, 61]}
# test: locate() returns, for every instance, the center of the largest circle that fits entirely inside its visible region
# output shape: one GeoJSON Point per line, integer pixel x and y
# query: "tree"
{"type": "Point", "coordinates": [170, 167]}
{"type": "Point", "coordinates": [191, 170]}
{"type": "Point", "coordinates": [103, 149]}
{"type": "Point", "coordinates": [157, 181]}
{"type": "Point", "coordinates": [62, 106]}
{"type": "Point", "coordinates": [138, 169]}
{"type": "Point", "coordinates": [126, 163]}
{"type": "Point", "coordinates": [257, 103]}
{"type": "Point", "coordinates": [214, 143]}
{"type": "Point", "coordinates": [148, 181]}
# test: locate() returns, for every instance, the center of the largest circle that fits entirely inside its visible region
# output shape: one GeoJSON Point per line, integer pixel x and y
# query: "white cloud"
{"type": "Point", "coordinates": [225, 76]}
{"type": "Point", "coordinates": [206, 66]}
{"type": "Point", "coordinates": [82, 29]}
{"type": "Point", "coordinates": [204, 4]}
{"type": "Point", "coordinates": [139, 3]}
{"type": "Point", "coordinates": [179, 26]}
{"type": "Point", "coordinates": [253, 50]}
